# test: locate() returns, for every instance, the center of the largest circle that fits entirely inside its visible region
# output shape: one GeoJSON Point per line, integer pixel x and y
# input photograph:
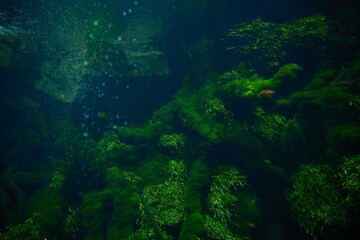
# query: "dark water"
{"type": "Point", "coordinates": [192, 119]}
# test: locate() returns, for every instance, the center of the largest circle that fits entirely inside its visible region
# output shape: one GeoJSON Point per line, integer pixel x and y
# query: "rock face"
{"type": "Point", "coordinates": [6, 55]}
{"type": "Point", "coordinates": [62, 80]}
{"type": "Point", "coordinates": [147, 22]}
{"type": "Point", "coordinates": [109, 42]}
{"type": "Point", "coordinates": [63, 69]}
{"type": "Point", "coordinates": [78, 41]}
{"type": "Point", "coordinates": [11, 42]}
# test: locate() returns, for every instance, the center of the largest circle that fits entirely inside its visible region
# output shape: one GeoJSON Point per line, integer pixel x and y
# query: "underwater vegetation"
{"type": "Point", "coordinates": [266, 43]}
{"type": "Point", "coordinates": [259, 141]}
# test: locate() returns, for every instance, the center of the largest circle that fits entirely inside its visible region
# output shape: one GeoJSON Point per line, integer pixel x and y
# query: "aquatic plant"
{"type": "Point", "coordinates": [119, 199]}
{"type": "Point", "coordinates": [28, 230]}
{"type": "Point", "coordinates": [207, 117]}
{"type": "Point", "coordinates": [328, 90]}
{"type": "Point", "coordinates": [48, 202]}
{"type": "Point", "coordinates": [221, 197]}
{"type": "Point", "coordinates": [109, 150]}
{"type": "Point", "coordinates": [167, 199]}
{"type": "Point", "coordinates": [238, 85]}
{"type": "Point", "coordinates": [320, 79]}
{"type": "Point", "coordinates": [217, 230]}
{"type": "Point", "coordinates": [332, 97]}
{"type": "Point", "coordinates": [315, 199]}
{"type": "Point", "coordinates": [158, 125]}
{"type": "Point", "coordinates": [349, 173]}
{"type": "Point", "coordinates": [198, 177]}
{"type": "Point", "coordinates": [172, 142]}
{"type": "Point", "coordinates": [349, 74]}
{"type": "Point", "coordinates": [232, 211]}
{"type": "Point", "coordinates": [266, 43]}
{"type": "Point", "coordinates": [193, 227]}
{"type": "Point", "coordinates": [159, 205]}
{"type": "Point", "coordinates": [269, 126]}
{"type": "Point", "coordinates": [110, 142]}
{"type": "Point", "coordinates": [57, 180]}
{"type": "Point", "coordinates": [93, 208]}
{"type": "Point", "coordinates": [72, 222]}
{"type": "Point", "coordinates": [215, 108]}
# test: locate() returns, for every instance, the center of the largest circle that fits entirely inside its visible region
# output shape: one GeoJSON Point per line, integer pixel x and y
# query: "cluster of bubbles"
{"type": "Point", "coordinates": [129, 10]}
{"type": "Point", "coordinates": [105, 103]}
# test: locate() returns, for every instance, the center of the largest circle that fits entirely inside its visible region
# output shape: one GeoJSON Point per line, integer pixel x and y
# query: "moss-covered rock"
{"type": "Point", "coordinates": [266, 44]}
{"type": "Point", "coordinates": [198, 178]}
{"type": "Point", "coordinates": [49, 204]}
{"type": "Point", "coordinates": [233, 211]}
{"type": "Point", "coordinates": [95, 206]}
{"type": "Point", "coordinates": [30, 229]}
{"type": "Point", "coordinates": [316, 200]}
{"type": "Point", "coordinates": [193, 227]}
{"type": "Point", "coordinates": [239, 86]}
{"type": "Point", "coordinates": [349, 172]}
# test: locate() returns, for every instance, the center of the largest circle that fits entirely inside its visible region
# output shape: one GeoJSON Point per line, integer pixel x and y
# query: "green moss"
{"type": "Point", "coordinates": [320, 79]}
{"type": "Point", "coordinates": [198, 177]}
{"type": "Point", "coordinates": [344, 133]}
{"type": "Point", "coordinates": [111, 149]}
{"type": "Point", "coordinates": [233, 211]}
{"type": "Point", "coordinates": [110, 142]}
{"type": "Point", "coordinates": [316, 200]}
{"type": "Point", "coordinates": [28, 230]}
{"type": "Point", "coordinates": [125, 207]}
{"type": "Point", "coordinates": [350, 73]}
{"type": "Point", "coordinates": [238, 86]}
{"type": "Point", "coordinates": [248, 215]}
{"type": "Point", "coordinates": [172, 142]}
{"type": "Point", "coordinates": [166, 200]}
{"type": "Point", "coordinates": [222, 196]}
{"type": "Point", "coordinates": [116, 232]}
{"type": "Point", "coordinates": [158, 125]}
{"type": "Point", "coordinates": [269, 126]}
{"type": "Point", "coordinates": [48, 203]}
{"type": "Point", "coordinates": [265, 44]}
{"type": "Point", "coordinates": [57, 180]}
{"type": "Point", "coordinates": [349, 173]}
{"type": "Point", "coordinates": [283, 102]}
{"type": "Point", "coordinates": [114, 177]}
{"type": "Point", "coordinates": [94, 213]}
{"type": "Point", "coordinates": [249, 87]}
{"type": "Point", "coordinates": [253, 150]}
{"type": "Point", "coordinates": [215, 229]}
{"type": "Point", "coordinates": [286, 73]}
{"type": "Point", "coordinates": [331, 98]}
{"type": "Point", "coordinates": [196, 113]}
{"type": "Point", "coordinates": [193, 227]}
{"type": "Point", "coordinates": [153, 171]}
{"type": "Point", "coordinates": [72, 222]}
